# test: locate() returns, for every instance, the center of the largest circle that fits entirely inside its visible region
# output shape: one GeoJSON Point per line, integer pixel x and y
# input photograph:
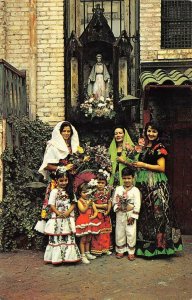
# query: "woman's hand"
{"type": "Point", "coordinates": [139, 164]}
{"type": "Point", "coordinates": [121, 160]}
{"type": "Point", "coordinates": [69, 167]}
{"type": "Point", "coordinates": [86, 158]}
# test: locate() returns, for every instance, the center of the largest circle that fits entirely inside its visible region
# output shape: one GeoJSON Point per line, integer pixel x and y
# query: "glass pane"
{"type": "Point", "coordinates": [113, 12]}
{"type": "Point", "coordinates": [176, 30]}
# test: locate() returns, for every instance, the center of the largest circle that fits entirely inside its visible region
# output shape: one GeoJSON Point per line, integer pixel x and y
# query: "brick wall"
{"type": "Point", "coordinates": [2, 29]}
{"type": "Point", "coordinates": [45, 69]}
{"type": "Point", "coordinates": [44, 58]}
{"type": "Point", "coordinates": [15, 27]}
{"type": "Point", "coordinates": [150, 31]}
{"type": "Point", "coordinates": [50, 61]}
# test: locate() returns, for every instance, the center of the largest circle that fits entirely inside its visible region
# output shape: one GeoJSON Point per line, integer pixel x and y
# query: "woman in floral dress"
{"type": "Point", "coordinates": [158, 232]}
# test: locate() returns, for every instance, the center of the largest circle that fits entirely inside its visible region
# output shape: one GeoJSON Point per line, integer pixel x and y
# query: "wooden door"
{"type": "Point", "coordinates": [180, 177]}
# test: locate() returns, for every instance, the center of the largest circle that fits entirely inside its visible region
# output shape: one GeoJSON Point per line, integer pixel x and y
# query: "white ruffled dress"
{"type": "Point", "coordinates": [62, 245]}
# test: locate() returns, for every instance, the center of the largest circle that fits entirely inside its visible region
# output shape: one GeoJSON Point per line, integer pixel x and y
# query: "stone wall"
{"type": "Point", "coordinates": [150, 31]}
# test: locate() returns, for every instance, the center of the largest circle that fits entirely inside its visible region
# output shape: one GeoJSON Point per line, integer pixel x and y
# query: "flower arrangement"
{"type": "Point", "coordinates": [99, 157]}
{"type": "Point", "coordinates": [92, 185]}
{"type": "Point", "coordinates": [132, 152]}
{"type": "Point", "coordinates": [78, 159]}
{"type": "Point", "coordinates": [101, 107]}
{"type": "Point", "coordinates": [88, 161]}
{"type": "Point", "coordinates": [124, 204]}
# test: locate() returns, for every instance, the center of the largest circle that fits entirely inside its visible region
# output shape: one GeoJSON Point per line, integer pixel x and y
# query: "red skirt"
{"type": "Point", "coordinates": [101, 243]}
{"type": "Point", "coordinates": [84, 225]}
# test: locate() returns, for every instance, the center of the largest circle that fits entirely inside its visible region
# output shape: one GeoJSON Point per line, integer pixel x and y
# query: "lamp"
{"type": "Point", "coordinates": [128, 101]}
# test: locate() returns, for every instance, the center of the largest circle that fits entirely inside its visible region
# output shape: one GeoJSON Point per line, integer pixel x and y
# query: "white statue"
{"type": "Point", "coordinates": [99, 79]}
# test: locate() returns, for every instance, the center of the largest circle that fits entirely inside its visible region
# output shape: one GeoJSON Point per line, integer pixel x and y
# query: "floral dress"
{"type": "Point", "coordinates": [158, 232]}
{"type": "Point", "coordinates": [85, 225]}
{"type": "Point", "coordinates": [101, 243]}
{"type": "Point", "coordinates": [62, 246]}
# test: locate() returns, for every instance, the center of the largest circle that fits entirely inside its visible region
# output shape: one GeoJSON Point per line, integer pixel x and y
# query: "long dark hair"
{"type": "Point", "coordinates": [157, 126]}
{"type": "Point", "coordinates": [69, 187]}
{"type": "Point", "coordinates": [83, 187]}
{"type": "Point", "coordinates": [66, 124]}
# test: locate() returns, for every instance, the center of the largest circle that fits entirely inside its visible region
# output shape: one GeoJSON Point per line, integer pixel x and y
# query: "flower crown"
{"type": "Point", "coordinates": [104, 173]}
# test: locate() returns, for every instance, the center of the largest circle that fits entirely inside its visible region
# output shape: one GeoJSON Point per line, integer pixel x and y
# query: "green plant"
{"type": "Point", "coordinates": [21, 205]}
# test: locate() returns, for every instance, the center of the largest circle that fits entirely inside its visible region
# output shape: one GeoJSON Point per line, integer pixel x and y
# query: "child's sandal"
{"type": "Point", "coordinates": [119, 255]}
{"type": "Point", "coordinates": [131, 257]}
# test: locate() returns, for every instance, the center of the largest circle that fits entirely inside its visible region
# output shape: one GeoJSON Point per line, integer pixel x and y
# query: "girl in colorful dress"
{"type": "Point", "coordinates": [101, 243]}
{"type": "Point", "coordinates": [61, 226]}
{"type": "Point", "coordinates": [87, 224]}
{"type": "Point", "coordinates": [158, 232]}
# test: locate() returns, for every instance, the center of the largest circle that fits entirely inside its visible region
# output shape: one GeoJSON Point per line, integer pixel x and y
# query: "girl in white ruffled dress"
{"type": "Point", "coordinates": [61, 227]}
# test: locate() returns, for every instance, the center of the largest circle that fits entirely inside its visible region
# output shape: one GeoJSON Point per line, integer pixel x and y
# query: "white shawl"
{"type": "Point", "coordinates": [57, 149]}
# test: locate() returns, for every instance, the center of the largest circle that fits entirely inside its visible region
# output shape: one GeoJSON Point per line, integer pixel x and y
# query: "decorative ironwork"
{"type": "Point", "coordinates": [98, 28]}
{"type": "Point", "coordinates": [113, 11]}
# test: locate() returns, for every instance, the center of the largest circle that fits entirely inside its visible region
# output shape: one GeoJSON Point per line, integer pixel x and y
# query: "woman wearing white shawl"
{"type": "Point", "coordinates": [64, 141]}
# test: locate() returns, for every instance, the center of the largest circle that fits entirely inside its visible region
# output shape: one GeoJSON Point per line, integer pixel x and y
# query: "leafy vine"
{"type": "Point", "coordinates": [21, 204]}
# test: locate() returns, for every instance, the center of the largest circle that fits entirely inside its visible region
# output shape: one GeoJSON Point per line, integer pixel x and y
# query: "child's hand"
{"type": "Point", "coordinates": [60, 214]}
{"type": "Point", "coordinates": [66, 214]}
{"type": "Point", "coordinates": [89, 202]}
{"type": "Point", "coordinates": [105, 206]}
{"type": "Point", "coordinates": [118, 206]}
{"type": "Point", "coordinates": [130, 221]}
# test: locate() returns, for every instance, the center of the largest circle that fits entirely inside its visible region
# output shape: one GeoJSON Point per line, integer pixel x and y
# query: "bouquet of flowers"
{"type": "Point", "coordinates": [92, 185]}
{"type": "Point", "coordinates": [124, 203]}
{"type": "Point", "coordinates": [101, 107]}
{"type": "Point", "coordinates": [132, 152]}
{"type": "Point", "coordinates": [88, 161]}
{"type": "Point", "coordinates": [99, 158]}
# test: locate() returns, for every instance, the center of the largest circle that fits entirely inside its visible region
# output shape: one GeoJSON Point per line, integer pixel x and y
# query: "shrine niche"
{"type": "Point", "coordinates": [97, 70]}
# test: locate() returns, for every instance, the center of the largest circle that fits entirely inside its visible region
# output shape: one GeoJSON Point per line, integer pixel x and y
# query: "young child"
{"type": "Point", "coordinates": [101, 243]}
{"type": "Point", "coordinates": [61, 227]}
{"type": "Point", "coordinates": [86, 224]}
{"type": "Point", "coordinates": [126, 204]}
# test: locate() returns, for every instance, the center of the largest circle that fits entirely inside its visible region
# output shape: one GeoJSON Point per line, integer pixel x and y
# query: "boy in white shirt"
{"type": "Point", "coordinates": [126, 204]}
